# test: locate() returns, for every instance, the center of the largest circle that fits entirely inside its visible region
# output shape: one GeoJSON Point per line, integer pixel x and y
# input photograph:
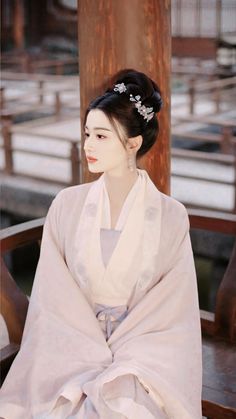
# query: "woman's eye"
{"type": "Point", "coordinates": [99, 136]}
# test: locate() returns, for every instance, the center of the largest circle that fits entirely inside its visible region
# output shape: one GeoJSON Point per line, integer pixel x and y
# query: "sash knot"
{"type": "Point", "coordinates": [109, 315]}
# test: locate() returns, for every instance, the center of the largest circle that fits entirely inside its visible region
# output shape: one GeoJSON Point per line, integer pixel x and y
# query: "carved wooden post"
{"type": "Point", "coordinates": [192, 96]}
{"type": "Point", "coordinates": [216, 95]}
{"type": "Point", "coordinates": [226, 144]}
{"type": "Point", "coordinates": [41, 88]}
{"type": "Point", "coordinates": [6, 133]}
{"type": "Point", "coordinates": [2, 97]}
{"type": "Point", "coordinates": [128, 34]}
{"type": "Point", "coordinates": [57, 104]}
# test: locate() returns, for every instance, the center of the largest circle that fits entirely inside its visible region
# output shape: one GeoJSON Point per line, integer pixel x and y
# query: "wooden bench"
{"type": "Point", "coordinates": [13, 302]}
{"type": "Point", "coordinates": [218, 329]}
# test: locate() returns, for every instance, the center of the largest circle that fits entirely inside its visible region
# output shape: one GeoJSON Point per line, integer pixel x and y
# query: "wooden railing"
{"type": "Point", "coordinates": [228, 160]}
{"type": "Point", "coordinates": [29, 64]}
{"type": "Point", "coordinates": [8, 129]}
{"type": "Point", "coordinates": [45, 85]}
{"type": "Point", "coordinates": [225, 139]}
{"type": "Point", "coordinates": [14, 76]}
{"type": "Point", "coordinates": [196, 90]}
{"type": "Point", "coordinates": [213, 89]}
{"type": "Point", "coordinates": [197, 68]}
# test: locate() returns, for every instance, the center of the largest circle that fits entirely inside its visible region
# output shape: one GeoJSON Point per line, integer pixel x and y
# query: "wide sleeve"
{"type": "Point", "coordinates": [63, 345]}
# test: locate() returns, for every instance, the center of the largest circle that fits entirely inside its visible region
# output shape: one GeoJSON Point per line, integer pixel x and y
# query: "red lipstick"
{"type": "Point", "coordinates": [91, 159]}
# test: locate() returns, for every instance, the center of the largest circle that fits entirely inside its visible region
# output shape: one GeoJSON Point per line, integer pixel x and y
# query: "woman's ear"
{"type": "Point", "coordinates": [134, 143]}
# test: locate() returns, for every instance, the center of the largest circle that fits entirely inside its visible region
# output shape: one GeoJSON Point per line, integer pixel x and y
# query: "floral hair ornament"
{"type": "Point", "coordinates": [146, 112]}
{"type": "Point", "coordinates": [143, 110]}
{"type": "Point", "coordinates": [121, 88]}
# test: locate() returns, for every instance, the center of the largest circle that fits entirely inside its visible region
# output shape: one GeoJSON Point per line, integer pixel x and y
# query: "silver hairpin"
{"type": "Point", "coordinates": [121, 88]}
{"type": "Point", "coordinates": [143, 110]}
{"type": "Point", "coordinates": [147, 113]}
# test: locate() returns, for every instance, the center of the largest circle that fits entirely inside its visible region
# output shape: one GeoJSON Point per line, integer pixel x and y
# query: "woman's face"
{"type": "Point", "coordinates": [103, 144]}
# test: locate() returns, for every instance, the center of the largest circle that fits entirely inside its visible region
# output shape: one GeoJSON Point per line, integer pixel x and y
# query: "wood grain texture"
{"type": "Point", "coordinates": [120, 34]}
{"type": "Point", "coordinates": [219, 381]}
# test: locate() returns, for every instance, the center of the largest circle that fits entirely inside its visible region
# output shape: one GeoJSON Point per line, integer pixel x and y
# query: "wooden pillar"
{"type": "Point", "coordinates": [128, 34]}
{"type": "Point", "coordinates": [18, 24]}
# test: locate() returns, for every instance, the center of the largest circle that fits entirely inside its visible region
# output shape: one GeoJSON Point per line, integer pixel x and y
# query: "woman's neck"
{"type": "Point", "coordinates": [119, 185]}
{"type": "Point", "coordinates": [118, 188]}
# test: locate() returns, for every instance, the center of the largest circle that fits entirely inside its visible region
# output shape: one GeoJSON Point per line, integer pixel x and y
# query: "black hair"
{"type": "Point", "coordinates": [118, 107]}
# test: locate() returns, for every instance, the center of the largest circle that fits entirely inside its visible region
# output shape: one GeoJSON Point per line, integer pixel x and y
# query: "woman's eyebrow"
{"type": "Point", "coordinates": [100, 128]}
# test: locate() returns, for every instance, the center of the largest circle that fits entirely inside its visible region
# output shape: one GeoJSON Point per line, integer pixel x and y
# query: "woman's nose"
{"type": "Point", "coordinates": [88, 144]}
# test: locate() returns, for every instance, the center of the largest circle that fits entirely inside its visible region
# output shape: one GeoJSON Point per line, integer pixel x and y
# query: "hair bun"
{"type": "Point", "coordinates": [132, 99]}
{"type": "Point", "coordinates": [156, 101]}
{"type": "Point", "coordinates": [138, 84]}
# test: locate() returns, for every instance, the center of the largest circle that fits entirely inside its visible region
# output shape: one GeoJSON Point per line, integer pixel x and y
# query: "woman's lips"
{"type": "Point", "coordinates": [91, 159]}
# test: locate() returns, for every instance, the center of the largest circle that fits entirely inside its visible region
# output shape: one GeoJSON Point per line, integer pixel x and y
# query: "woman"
{"type": "Point", "coordinates": [113, 328]}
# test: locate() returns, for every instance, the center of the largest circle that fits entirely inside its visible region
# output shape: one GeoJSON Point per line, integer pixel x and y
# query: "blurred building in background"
{"type": "Point", "coordinates": [200, 28]}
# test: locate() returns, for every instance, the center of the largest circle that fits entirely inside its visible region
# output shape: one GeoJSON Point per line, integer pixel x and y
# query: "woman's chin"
{"type": "Point", "coordinates": [94, 169]}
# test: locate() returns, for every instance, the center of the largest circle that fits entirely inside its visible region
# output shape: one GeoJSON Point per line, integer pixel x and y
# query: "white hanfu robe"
{"type": "Point", "coordinates": [113, 332]}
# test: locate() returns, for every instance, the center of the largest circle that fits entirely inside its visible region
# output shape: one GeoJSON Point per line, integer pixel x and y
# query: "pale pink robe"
{"type": "Point", "coordinates": [64, 356]}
